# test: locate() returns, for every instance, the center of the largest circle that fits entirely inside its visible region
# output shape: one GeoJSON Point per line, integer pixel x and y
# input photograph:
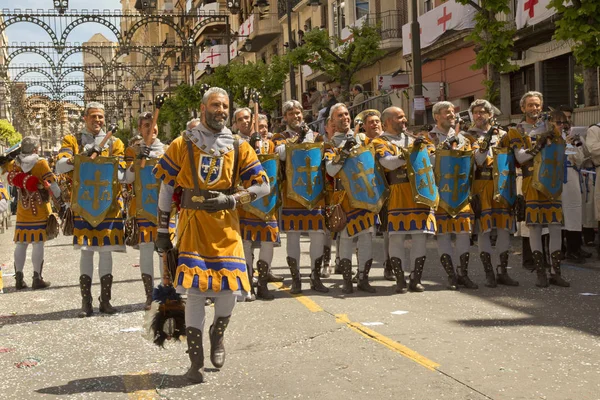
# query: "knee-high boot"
{"type": "Point", "coordinates": [542, 278]}
{"type": "Point", "coordinates": [296, 280]}
{"type": "Point", "coordinates": [363, 279]}
{"type": "Point", "coordinates": [196, 353]}
{"type": "Point", "coordinates": [556, 278]}
{"type": "Point", "coordinates": [396, 264]}
{"type": "Point", "coordinates": [346, 267]}
{"type": "Point", "coordinates": [217, 346]}
{"type": "Point", "coordinates": [446, 261]}
{"type": "Point", "coordinates": [414, 284]}
{"type": "Point", "coordinates": [502, 273]}
{"type": "Point", "coordinates": [490, 277]}
{"type": "Point", "coordinates": [262, 289]}
{"type": "Point", "coordinates": [85, 284]}
{"type": "Point", "coordinates": [315, 277]}
{"type": "Point", "coordinates": [463, 273]}
{"type": "Point", "coordinates": [105, 295]}
{"type": "Point", "coordinates": [148, 288]}
{"type": "Point", "coordinates": [19, 281]}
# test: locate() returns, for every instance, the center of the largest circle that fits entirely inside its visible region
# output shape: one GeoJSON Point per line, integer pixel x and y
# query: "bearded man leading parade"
{"type": "Point", "coordinates": [93, 232]}
{"type": "Point", "coordinates": [207, 163]}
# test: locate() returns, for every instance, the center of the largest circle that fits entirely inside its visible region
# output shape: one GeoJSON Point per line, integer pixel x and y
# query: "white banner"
{"type": "Point", "coordinates": [233, 50]}
{"type": "Point", "coordinates": [531, 12]}
{"type": "Point", "coordinates": [214, 56]}
{"type": "Point", "coordinates": [434, 23]}
{"type": "Point", "coordinates": [246, 29]}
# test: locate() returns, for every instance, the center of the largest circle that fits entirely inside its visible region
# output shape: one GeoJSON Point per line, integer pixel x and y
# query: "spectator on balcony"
{"type": "Point", "coordinates": [315, 101]}
{"type": "Point", "coordinates": [359, 98]}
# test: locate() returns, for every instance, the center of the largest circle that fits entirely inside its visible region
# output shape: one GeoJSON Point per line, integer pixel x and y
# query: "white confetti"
{"type": "Point", "coordinates": [131, 330]}
{"type": "Point", "coordinates": [589, 294]}
{"type": "Point", "coordinates": [375, 323]}
{"type": "Point", "coordinates": [399, 312]}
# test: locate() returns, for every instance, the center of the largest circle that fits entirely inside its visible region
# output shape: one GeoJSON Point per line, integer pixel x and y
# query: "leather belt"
{"type": "Point", "coordinates": [484, 174]}
{"type": "Point", "coordinates": [527, 170]}
{"type": "Point", "coordinates": [397, 177]}
{"type": "Point", "coordinates": [194, 199]}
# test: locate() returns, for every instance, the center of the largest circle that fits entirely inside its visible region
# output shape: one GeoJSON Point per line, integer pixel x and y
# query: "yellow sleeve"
{"type": "Point", "coordinates": [383, 149]}
{"type": "Point", "coordinates": [68, 148]}
{"type": "Point", "coordinates": [3, 192]}
{"type": "Point", "coordinates": [129, 156]}
{"type": "Point", "coordinates": [250, 169]}
{"type": "Point", "coordinates": [43, 172]}
{"type": "Point", "coordinates": [169, 164]}
{"type": "Point", "coordinates": [118, 150]}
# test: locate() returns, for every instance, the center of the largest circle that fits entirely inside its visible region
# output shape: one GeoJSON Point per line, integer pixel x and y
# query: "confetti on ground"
{"type": "Point", "coordinates": [6, 350]}
{"type": "Point", "coordinates": [399, 312]}
{"type": "Point", "coordinates": [28, 363]}
{"type": "Point", "coordinates": [131, 330]}
{"type": "Point", "coordinates": [372, 323]}
{"type": "Point", "coordinates": [5, 274]}
{"type": "Point", "coordinates": [589, 294]}
{"type": "Point", "coordinates": [135, 265]}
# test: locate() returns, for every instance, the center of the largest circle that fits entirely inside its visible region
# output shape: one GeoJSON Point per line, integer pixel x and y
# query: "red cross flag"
{"type": "Point", "coordinates": [214, 56]}
{"type": "Point", "coordinates": [246, 28]}
{"type": "Point", "coordinates": [233, 50]}
{"type": "Point", "coordinates": [531, 12]}
{"type": "Point", "coordinates": [447, 16]}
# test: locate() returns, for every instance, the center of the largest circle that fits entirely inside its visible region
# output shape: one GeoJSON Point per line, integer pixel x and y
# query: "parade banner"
{"type": "Point", "coordinates": [364, 181]}
{"type": "Point", "coordinates": [548, 170]}
{"type": "Point", "coordinates": [421, 176]}
{"type": "Point", "coordinates": [95, 187]}
{"type": "Point", "coordinates": [505, 180]}
{"type": "Point", "coordinates": [453, 174]}
{"type": "Point", "coordinates": [304, 173]}
{"type": "Point", "coordinates": [146, 191]}
{"type": "Point", "coordinates": [268, 205]}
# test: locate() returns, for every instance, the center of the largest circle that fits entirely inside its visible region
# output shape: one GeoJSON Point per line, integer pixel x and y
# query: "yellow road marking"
{"type": "Point", "coordinates": [308, 303]}
{"type": "Point", "coordinates": [387, 342]}
{"type": "Point", "coordinates": [136, 380]}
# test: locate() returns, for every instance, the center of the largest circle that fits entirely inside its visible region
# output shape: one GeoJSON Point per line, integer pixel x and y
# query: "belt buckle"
{"type": "Point", "coordinates": [198, 199]}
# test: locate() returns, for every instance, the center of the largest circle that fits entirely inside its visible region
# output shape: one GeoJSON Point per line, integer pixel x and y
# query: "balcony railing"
{"type": "Point", "coordinates": [390, 23]}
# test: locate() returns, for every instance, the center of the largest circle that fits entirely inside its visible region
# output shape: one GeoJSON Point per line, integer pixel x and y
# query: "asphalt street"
{"type": "Point", "coordinates": [502, 343]}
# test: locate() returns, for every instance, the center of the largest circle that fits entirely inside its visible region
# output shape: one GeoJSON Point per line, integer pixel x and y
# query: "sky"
{"type": "Point", "coordinates": [28, 32]}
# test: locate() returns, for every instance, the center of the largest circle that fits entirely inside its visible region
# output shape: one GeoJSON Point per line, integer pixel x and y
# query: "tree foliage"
{"type": "Point", "coordinates": [340, 60]}
{"type": "Point", "coordinates": [8, 133]}
{"type": "Point", "coordinates": [177, 109]}
{"type": "Point", "coordinates": [580, 21]}
{"type": "Point", "coordinates": [494, 41]}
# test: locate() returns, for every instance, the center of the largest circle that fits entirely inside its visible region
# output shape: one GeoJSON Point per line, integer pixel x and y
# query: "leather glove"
{"type": "Point", "coordinates": [112, 128]}
{"type": "Point", "coordinates": [254, 139]}
{"type": "Point", "coordinates": [144, 152]}
{"type": "Point", "coordinates": [350, 143]}
{"type": "Point", "coordinates": [94, 149]}
{"type": "Point", "coordinates": [542, 140]}
{"type": "Point", "coordinates": [218, 201]}
{"type": "Point", "coordinates": [303, 132]}
{"type": "Point", "coordinates": [418, 142]}
{"type": "Point", "coordinates": [163, 242]}
{"type": "Point", "coordinates": [451, 141]}
{"type": "Point", "coordinates": [160, 100]}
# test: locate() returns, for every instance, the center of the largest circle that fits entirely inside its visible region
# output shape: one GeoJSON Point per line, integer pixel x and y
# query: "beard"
{"type": "Point", "coordinates": [532, 115]}
{"type": "Point", "coordinates": [213, 123]}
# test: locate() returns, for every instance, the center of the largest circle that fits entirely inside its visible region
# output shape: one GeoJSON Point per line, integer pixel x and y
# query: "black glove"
{"type": "Point", "coordinates": [218, 201]}
{"type": "Point", "coordinates": [255, 138]}
{"type": "Point", "coordinates": [418, 142]}
{"type": "Point", "coordinates": [163, 242]}
{"type": "Point", "coordinates": [62, 209]}
{"type": "Point", "coordinates": [451, 141]}
{"type": "Point", "coordinates": [350, 143]}
{"type": "Point", "coordinates": [304, 129]}
{"type": "Point", "coordinates": [94, 149]}
{"type": "Point", "coordinates": [144, 152]}
{"type": "Point", "coordinates": [542, 139]}
{"type": "Point", "coordinates": [112, 128]}
{"type": "Point", "coordinates": [160, 100]}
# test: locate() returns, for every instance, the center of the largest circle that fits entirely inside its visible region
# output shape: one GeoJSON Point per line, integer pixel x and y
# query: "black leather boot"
{"type": "Point", "coordinates": [414, 284]}
{"type": "Point", "coordinates": [105, 295]}
{"type": "Point", "coordinates": [463, 273]}
{"type": "Point", "coordinates": [540, 268]}
{"type": "Point", "coordinates": [315, 277]}
{"type": "Point", "coordinates": [19, 281]}
{"type": "Point", "coordinates": [388, 274]}
{"type": "Point", "coordinates": [196, 353]}
{"type": "Point", "coordinates": [262, 290]}
{"type": "Point", "coordinates": [396, 265]}
{"type": "Point", "coordinates": [149, 289]}
{"type": "Point", "coordinates": [490, 277]}
{"type": "Point", "coordinates": [250, 273]}
{"type": "Point", "coordinates": [38, 281]}
{"type": "Point", "coordinates": [271, 277]}
{"type": "Point", "coordinates": [296, 281]}
{"type": "Point", "coordinates": [556, 278]}
{"type": "Point", "coordinates": [346, 267]}
{"type": "Point", "coordinates": [326, 262]}
{"type": "Point", "coordinates": [217, 347]}
{"type": "Point", "coordinates": [85, 284]}
{"type": "Point", "coordinates": [502, 273]}
{"type": "Point", "coordinates": [446, 261]}
{"type": "Point", "coordinates": [363, 279]}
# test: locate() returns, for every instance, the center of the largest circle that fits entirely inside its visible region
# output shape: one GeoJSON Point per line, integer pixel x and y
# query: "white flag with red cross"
{"type": "Point", "coordinates": [246, 28]}
{"type": "Point", "coordinates": [531, 12]}
{"type": "Point", "coordinates": [233, 50]}
{"type": "Point", "coordinates": [447, 16]}
{"type": "Point", "coordinates": [214, 55]}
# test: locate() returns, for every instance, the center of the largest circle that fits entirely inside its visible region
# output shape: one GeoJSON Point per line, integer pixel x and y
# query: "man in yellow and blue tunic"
{"type": "Point", "coordinates": [404, 215]}
{"type": "Point", "coordinates": [147, 229]}
{"type": "Point", "coordinates": [493, 214]}
{"type": "Point", "coordinates": [360, 222]}
{"type": "Point", "coordinates": [32, 177]}
{"type": "Point", "coordinates": [255, 230]}
{"type": "Point", "coordinates": [206, 162]}
{"type": "Point", "coordinates": [107, 236]}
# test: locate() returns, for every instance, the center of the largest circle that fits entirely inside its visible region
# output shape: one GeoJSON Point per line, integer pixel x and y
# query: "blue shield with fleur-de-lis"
{"type": "Point", "coordinates": [505, 180]}
{"type": "Point", "coordinates": [95, 187]}
{"type": "Point", "coordinates": [453, 173]}
{"type": "Point", "coordinates": [363, 180]}
{"type": "Point", "coordinates": [421, 176]}
{"type": "Point", "coordinates": [304, 173]}
{"type": "Point", "coordinates": [268, 205]}
{"type": "Point", "coordinates": [210, 169]}
{"type": "Point", "coordinates": [146, 188]}
{"type": "Point", "coordinates": [548, 170]}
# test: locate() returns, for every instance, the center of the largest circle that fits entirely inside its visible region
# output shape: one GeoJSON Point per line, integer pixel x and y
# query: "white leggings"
{"type": "Point", "coordinates": [86, 263]}
{"type": "Point", "coordinates": [265, 252]}
{"type": "Point", "coordinates": [365, 248]}
{"type": "Point", "coordinates": [444, 244]}
{"type": "Point", "coordinates": [37, 256]}
{"type": "Point", "coordinates": [502, 242]}
{"type": "Point", "coordinates": [195, 313]}
{"type": "Point", "coordinates": [147, 259]}
{"type": "Point", "coordinates": [418, 247]}
{"type": "Point", "coordinates": [316, 245]}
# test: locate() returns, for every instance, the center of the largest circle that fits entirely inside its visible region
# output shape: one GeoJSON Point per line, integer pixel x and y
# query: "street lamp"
{"type": "Point", "coordinates": [234, 6]}
{"type": "Point", "coordinates": [61, 6]}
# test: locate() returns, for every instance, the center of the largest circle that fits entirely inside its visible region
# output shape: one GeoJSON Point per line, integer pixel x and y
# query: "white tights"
{"type": "Point", "coordinates": [316, 245]}
{"type": "Point", "coordinates": [37, 256]}
{"type": "Point", "coordinates": [502, 242]}
{"type": "Point", "coordinates": [86, 263]}
{"type": "Point", "coordinates": [147, 259]}
{"type": "Point", "coordinates": [418, 247]}
{"type": "Point", "coordinates": [265, 252]}
{"type": "Point", "coordinates": [195, 313]}
{"type": "Point", "coordinates": [444, 245]}
{"type": "Point", "coordinates": [364, 244]}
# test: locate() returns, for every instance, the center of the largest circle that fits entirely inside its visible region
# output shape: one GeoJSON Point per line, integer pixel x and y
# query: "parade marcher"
{"type": "Point", "coordinates": [540, 210]}
{"type": "Point", "coordinates": [106, 234]}
{"type": "Point", "coordinates": [404, 215]}
{"type": "Point", "coordinates": [295, 217]}
{"type": "Point", "coordinates": [327, 270]}
{"type": "Point", "coordinates": [591, 150]}
{"type": "Point", "coordinates": [255, 230]}
{"type": "Point", "coordinates": [150, 147]}
{"type": "Point", "coordinates": [492, 215]}
{"type": "Point", "coordinates": [32, 176]}
{"type": "Point", "coordinates": [360, 222]}
{"type": "Point", "coordinates": [4, 198]}
{"type": "Point", "coordinates": [207, 162]}
{"type": "Point", "coordinates": [444, 136]}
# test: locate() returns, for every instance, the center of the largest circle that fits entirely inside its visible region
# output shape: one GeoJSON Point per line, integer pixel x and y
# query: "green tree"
{"type": "Point", "coordinates": [340, 60]}
{"type": "Point", "coordinates": [178, 108]}
{"type": "Point", "coordinates": [493, 43]}
{"type": "Point", "coordinates": [580, 22]}
{"type": "Point", "coordinates": [8, 134]}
